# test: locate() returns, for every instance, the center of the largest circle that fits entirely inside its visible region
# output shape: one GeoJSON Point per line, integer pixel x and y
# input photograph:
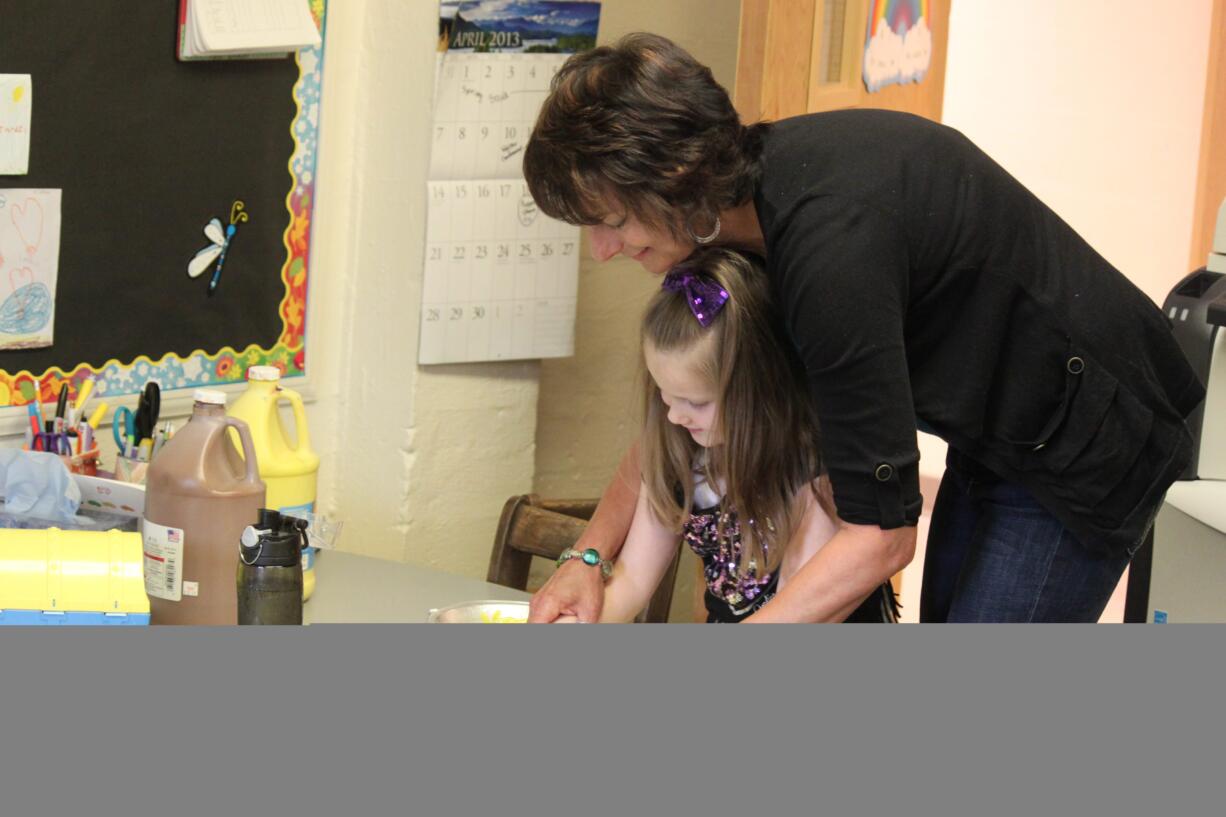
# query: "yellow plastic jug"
{"type": "Point", "coordinates": [290, 471]}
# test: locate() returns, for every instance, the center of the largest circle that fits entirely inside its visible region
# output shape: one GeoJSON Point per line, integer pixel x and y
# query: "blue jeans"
{"type": "Point", "coordinates": [995, 554]}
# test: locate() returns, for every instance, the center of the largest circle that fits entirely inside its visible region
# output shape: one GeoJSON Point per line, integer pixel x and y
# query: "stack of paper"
{"type": "Point", "coordinates": [211, 29]}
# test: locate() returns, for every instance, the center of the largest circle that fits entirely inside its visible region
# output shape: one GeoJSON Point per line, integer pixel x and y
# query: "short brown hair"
{"type": "Point", "coordinates": [643, 124]}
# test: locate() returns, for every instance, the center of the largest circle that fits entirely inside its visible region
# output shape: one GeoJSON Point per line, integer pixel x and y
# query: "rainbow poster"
{"type": "Point", "coordinates": [898, 43]}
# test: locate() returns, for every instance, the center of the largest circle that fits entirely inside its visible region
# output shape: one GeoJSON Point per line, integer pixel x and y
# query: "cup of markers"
{"type": "Point", "coordinates": [132, 461]}
{"type": "Point", "coordinates": [72, 437]}
{"type": "Point", "coordinates": [138, 439]}
{"type": "Point", "coordinates": [64, 434]}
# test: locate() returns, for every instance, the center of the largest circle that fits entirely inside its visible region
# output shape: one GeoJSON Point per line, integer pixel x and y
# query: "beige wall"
{"type": "Point", "coordinates": [587, 413]}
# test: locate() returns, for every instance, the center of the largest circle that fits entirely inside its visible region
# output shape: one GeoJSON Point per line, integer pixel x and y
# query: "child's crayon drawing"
{"type": "Point", "coordinates": [29, 266]}
{"type": "Point", "coordinates": [16, 101]}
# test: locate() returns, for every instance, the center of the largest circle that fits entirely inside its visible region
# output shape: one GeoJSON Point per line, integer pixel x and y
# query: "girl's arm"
{"type": "Point", "coordinates": [648, 551]}
{"type": "Point", "coordinates": [840, 575]}
{"type": "Point", "coordinates": [832, 566]}
{"type": "Point", "coordinates": [817, 526]}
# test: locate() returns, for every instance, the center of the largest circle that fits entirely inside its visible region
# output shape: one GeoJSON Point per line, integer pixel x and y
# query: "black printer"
{"type": "Point", "coordinates": [1182, 576]}
{"type": "Point", "coordinates": [1196, 308]}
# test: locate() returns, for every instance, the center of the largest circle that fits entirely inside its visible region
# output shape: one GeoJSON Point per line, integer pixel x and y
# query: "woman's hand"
{"type": "Point", "coordinates": [575, 589]}
{"type": "Point", "coordinates": [840, 575]}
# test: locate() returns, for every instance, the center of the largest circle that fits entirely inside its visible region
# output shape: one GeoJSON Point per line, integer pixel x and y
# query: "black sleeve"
{"type": "Point", "coordinates": [842, 275]}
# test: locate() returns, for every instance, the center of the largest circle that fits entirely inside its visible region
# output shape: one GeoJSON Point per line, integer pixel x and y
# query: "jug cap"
{"type": "Point", "coordinates": [212, 396]}
{"type": "Point", "coordinates": [263, 373]}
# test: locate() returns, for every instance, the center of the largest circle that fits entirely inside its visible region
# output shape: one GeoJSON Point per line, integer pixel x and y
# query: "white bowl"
{"type": "Point", "coordinates": [481, 612]}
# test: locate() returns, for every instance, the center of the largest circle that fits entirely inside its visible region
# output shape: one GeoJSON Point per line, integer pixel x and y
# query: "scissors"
{"type": "Point", "coordinates": [52, 442]}
{"type": "Point", "coordinates": [124, 428]}
{"type": "Point", "coordinates": [131, 427]}
{"type": "Point", "coordinates": [147, 411]}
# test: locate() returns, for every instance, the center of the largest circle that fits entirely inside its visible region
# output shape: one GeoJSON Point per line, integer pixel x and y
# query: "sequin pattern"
{"type": "Point", "coordinates": [721, 555]}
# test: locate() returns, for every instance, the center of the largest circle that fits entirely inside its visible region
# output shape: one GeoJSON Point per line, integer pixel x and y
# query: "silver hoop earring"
{"type": "Point", "coordinates": [703, 239]}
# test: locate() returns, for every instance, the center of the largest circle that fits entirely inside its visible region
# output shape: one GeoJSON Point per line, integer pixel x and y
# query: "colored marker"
{"type": "Point", "coordinates": [34, 425]}
{"type": "Point", "coordinates": [96, 417]}
{"type": "Point", "coordinates": [38, 402]}
{"type": "Point", "coordinates": [83, 394]}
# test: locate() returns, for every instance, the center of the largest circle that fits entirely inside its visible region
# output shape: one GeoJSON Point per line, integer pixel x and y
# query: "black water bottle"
{"type": "Point", "coordinates": [270, 570]}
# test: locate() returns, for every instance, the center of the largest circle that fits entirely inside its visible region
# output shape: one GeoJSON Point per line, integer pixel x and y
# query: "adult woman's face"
{"type": "Point", "coordinates": [655, 248]}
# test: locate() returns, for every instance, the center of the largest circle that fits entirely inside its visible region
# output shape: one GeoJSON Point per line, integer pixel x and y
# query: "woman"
{"type": "Point", "coordinates": [923, 287]}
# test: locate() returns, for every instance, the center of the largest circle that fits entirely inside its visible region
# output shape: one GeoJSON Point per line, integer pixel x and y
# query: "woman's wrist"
{"type": "Point", "coordinates": [590, 557]}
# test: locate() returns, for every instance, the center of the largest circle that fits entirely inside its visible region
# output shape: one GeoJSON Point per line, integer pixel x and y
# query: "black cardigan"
{"type": "Point", "coordinates": [918, 279]}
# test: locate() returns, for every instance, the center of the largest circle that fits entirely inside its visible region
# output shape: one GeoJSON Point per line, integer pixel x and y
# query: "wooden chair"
{"type": "Point", "coordinates": [531, 526]}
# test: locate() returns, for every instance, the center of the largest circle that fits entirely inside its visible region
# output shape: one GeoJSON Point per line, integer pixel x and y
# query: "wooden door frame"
{"type": "Point", "coordinates": [774, 89]}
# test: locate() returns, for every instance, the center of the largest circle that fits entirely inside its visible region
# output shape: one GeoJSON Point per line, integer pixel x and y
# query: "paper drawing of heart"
{"type": "Point", "coordinates": [29, 223]}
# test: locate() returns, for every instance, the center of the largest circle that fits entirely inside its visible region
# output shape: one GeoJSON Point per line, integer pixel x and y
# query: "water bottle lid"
{"type": "Point", "coordinates": [264, 373]}
{"type": "Point", "coordinates": [211, 396]}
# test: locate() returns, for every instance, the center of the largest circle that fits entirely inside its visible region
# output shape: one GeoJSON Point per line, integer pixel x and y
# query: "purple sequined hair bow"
{"type": "Point", "coordinates": [704, 297]}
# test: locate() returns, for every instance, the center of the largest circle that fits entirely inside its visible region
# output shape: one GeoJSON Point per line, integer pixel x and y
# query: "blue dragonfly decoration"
{"type": "Point", "coordinates": [217, 250]}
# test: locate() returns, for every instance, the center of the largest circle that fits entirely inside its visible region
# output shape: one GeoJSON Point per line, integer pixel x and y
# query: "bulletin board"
{"type": "Point", "coordinates": [146, 150]}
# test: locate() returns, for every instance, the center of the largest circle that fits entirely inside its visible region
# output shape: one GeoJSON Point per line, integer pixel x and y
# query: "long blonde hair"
{"type": "Point", "coordinates": [769, 450]}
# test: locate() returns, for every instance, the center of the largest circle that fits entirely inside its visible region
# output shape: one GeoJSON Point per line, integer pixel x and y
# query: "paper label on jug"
{"type": "Point", "coordinates": [163, 561]}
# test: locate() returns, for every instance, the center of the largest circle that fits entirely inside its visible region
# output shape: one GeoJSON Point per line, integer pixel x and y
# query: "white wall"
{"type": "Point", "coordinates": [1096, 105]}
{"type": "Point", "coordinates": [416, 462]}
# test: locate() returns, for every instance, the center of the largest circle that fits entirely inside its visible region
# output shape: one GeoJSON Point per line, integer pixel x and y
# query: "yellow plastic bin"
{"type": "Point", "coordinates": [71, 577]}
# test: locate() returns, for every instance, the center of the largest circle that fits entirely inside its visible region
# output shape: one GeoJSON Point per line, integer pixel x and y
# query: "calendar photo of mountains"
{"type": "Point", "coordinates": [510, 25]}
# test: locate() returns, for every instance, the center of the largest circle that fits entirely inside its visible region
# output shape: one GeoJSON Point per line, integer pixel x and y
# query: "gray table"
{"type": "Point", "coordinates": [351, 588]}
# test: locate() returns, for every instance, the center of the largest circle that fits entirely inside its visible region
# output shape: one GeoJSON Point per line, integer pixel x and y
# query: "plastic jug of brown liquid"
{"type": "Point", "coordinates": [199, 496]}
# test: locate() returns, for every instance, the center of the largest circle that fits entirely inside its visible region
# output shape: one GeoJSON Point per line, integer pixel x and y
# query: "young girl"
{"type": "Point", "coordinates": [729, 450]}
